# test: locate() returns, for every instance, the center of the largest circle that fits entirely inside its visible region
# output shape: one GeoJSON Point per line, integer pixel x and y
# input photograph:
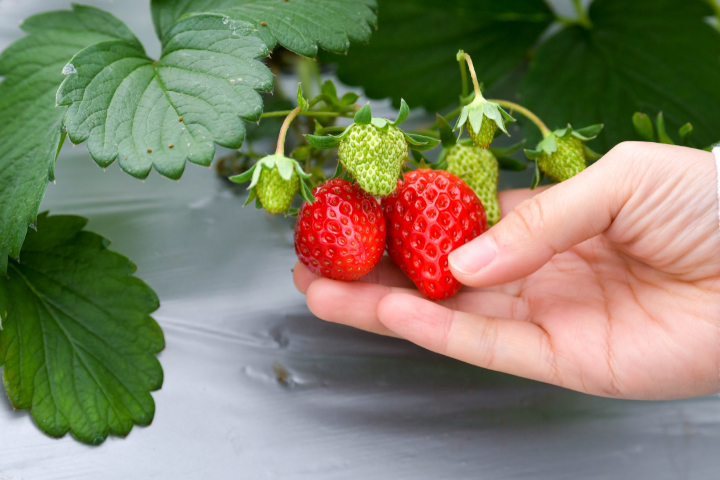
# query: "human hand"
{"type": "Point", "coordinates": [608, 283]}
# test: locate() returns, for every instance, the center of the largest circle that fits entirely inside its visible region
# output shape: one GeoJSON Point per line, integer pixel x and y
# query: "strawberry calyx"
{"type": "Point", "coordinates": [364, 117]}
{"type": "Point", "coordinates": [481, 118]}
{"type": "Point", "coordinates": [569, 139]}
{"type": "Point", "coordinates": [373, 150]}
{"type": "Point", "coordinates": [288, 170]}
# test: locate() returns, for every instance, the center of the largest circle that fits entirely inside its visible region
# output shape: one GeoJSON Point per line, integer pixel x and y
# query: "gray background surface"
{"type": "Point", "coordinates": [357, 406]}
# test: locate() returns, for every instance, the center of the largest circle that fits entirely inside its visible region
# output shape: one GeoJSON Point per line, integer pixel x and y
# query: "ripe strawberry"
{"type": "Point", "coordinates": [276, 193]}
{"type": "Point", "coordinates": [480, 170]}
{"type": "Point", "coordinates": [562, 154]}
{"type": "Point", "coordinates": [373, 156]}
{"type": "Point", "coordinates": [341, 235]}
{"type": "Point", "coordinates": [431, 213]}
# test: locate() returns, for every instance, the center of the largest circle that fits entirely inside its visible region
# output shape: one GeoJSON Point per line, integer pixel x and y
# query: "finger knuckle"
{"type": "Point", "coordinates": [529, 217]}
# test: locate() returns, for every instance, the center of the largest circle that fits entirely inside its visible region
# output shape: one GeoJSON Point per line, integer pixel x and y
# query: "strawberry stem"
{"type": "Point", "coordinates": [526, 113]}
{"type": "Point", "coordinates": [463, 77]}
{"type": "Point", "coordinates": [282, 113]}
{"type": "Point", "coordinates": [476, 85]}
{"type": "Point", "coordinates": [280, 150]}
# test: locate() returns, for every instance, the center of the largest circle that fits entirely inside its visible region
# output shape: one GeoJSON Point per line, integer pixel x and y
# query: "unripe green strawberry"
{"type": "Point", "coordinates": [484, 138]}
{"type": "Point", "coordinates": [562, 154]}
{"type": "Point", "coordinates": [482, 119]}
{"type": "Point", "coordinates": [374, 156]}
{"type": "Point", "coordinates": [276, 193]}
{"type": "Point", "coordinates": [480, 170]}
{"type": "Point", "coordinates": [274, 181]}
{"type": "Point", "coordinates": [566, 162]}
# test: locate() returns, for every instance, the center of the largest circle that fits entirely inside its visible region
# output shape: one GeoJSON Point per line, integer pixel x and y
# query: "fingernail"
{"type": "Point", "coordinates": [474, 256]}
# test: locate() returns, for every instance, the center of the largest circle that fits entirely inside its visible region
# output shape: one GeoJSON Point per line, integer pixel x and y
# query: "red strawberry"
{"type": "Point", "coordinates": [431, 213]}
{"type": "Point", "coordinates": [341, 235]}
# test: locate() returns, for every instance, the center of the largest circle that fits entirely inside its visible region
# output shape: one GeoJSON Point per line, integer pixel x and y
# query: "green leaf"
{"type": "Point", "coordinates": [643, 126]}
{"type": "Point", "coordinates": [537, 178]}
{"type": "Point", "coordinates": [298, 25]}
{"type": "Point", "coordinates": [413, 53]}
{"type": "Point", "coordinates": [588, 133]}
{"type": "Point", "coordinates": [322, 143]}
{"type": "Point", "coordinates": [640, 55]}
{"type": "Point", "coordinates": [329, 90]}
{"type": "Point", "coordinates": [591, 154]}
{"type": "Point", "coordinates": [380, 123]}
{"type": "Point", "coordinates": [447, 137]}
{"type": "Point", "coordinates": [505, 151]}
{"type": "Point", "coordinates": [533, 154]}
{"type": "Point", "coordinates": [363, 116]}
{"type": "Point", "coordinates": [300, 99]}
{"type": "Point", "coordinates": [510, 164]}
{"type": "Point", "coordinates": [421, 142]}
{"type": "Point", "coordinates": [251, 196]}
{"type": "Point", "coordinates": [306, 192]}
{"type": "Point", "coordinates": [245, 176]}
{"type": "Point", "coordinates": [685, 134]}
{"type": "Point", "coordinates": [78, 344]}
{"type": "Point", "coordinates": [160, 115]}
{"type": "Point", "coordinates": [285, 166]}
{"type": "Point", "coordinates": [403, 114]}
{"type": "Point", "coordinates": [662, 134]}
{"type": "Point", "coordinates": [31, 131]}
{"type": "Point", "coordinates": [338, 171]}
{"type": "Point", "coordinates": [348, 99]}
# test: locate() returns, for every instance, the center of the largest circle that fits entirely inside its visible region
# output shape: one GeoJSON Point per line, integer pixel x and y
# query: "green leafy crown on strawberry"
{"type": "Point", "coordinates": [276, 179]}
{"type": "Point", "coordinates": [562, 154]}
{"type": "Point", "coordinates": [373, 150]}
{"type": "Point", "coordinates": [481, 117]}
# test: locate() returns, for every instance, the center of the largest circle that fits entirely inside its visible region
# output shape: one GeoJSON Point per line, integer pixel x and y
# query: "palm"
{"type": "Point", "coordinates": [613, 329]}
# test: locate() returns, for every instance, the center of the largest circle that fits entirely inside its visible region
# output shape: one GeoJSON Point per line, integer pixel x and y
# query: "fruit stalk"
{"type": "Point", "coordinates": [463, 77]}
{"type": "Point", "coordinates": [476, 85]}
{"type": "Point", "coordinates": [282, 113]}
{"type": "Point", "coordinates": [527, 114]}
{"type": "Point", "coordinates": [280, 150]}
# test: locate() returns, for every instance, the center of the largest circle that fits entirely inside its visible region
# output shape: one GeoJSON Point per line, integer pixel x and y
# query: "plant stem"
{"type": "Point", "coordinates": [427, 133]}
{"type": "Point", "coordinates": [582, 19]}
{"type": "Point", "coordinates": [463, 77]}
{"type": "Point", "coordinates": [280, 150]}
{"type": "Point", "coordinates": [467, 58]}
{"type": "Point", "coordinates": [332, 129]}
{"type": "Point", "coordinates": [526, 113]}
{"type": "Point", "coordinates": [282, 113]}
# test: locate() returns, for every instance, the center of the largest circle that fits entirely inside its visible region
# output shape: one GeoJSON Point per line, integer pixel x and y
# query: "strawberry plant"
{"type": "Point", "coordinates": [77, 342]}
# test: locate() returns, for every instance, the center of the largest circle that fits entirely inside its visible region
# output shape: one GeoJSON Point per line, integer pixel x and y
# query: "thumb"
{"type": "Point", "coordinates": [549, 223]}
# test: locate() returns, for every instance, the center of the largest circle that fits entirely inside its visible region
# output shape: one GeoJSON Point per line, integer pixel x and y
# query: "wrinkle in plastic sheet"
{"type": "Point", "coordinates": [353, 405]}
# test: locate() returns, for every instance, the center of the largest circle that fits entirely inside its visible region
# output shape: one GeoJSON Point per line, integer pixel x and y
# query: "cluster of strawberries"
{"type": "Point", "coordinates": [422, 215]}
{"type": "Point", "coordinates": [343, 233]}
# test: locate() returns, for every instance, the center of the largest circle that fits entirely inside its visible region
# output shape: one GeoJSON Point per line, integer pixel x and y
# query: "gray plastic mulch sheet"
{"type": "Point", "coordinates": [354, 405]}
